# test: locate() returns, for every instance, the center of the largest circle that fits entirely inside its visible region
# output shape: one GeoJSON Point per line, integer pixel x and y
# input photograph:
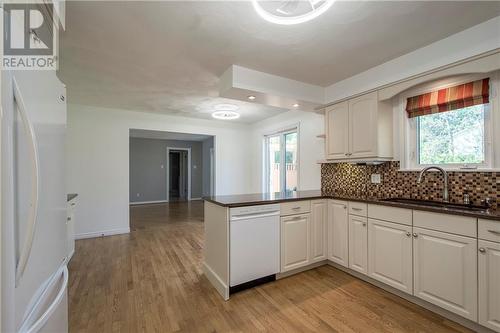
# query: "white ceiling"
{"type": "Point", "coordinates": [168, 56]}
{"type": "Point", "coordinates": [147, 134]}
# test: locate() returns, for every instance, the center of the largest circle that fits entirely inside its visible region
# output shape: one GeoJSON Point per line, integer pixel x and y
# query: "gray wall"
{"type": "Point", "coordinates": [148, 163]}
{"type": "Point", "coordinates": [206, 145]}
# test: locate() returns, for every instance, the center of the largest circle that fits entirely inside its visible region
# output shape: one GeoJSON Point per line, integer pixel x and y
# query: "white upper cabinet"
{"type": "Point", "coordinates": [489, 284]}
{"type": "Point", "coordinates": [338, 234]}
{"type": "Point", "coordinates": [319, 235]}
{"type": "Point", "coordinates": [337, 129]}
{"type": "Point", "coordinates": [360, 128]}
{"type": "Point", "coordinates": [445, 271]}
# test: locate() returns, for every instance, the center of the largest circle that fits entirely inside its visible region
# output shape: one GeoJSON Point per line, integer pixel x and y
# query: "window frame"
{"type": "Point", "coordinates": [409, 134]}
{"type": "Point", "coordinates": [266, 165]}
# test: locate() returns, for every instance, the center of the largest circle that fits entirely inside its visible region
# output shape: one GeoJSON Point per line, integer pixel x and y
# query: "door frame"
{"type": "Point", "coordinates": [168, 172]}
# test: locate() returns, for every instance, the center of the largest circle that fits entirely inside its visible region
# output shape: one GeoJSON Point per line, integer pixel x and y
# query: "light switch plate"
{"type": "Point", "coordinates": [376, 178]}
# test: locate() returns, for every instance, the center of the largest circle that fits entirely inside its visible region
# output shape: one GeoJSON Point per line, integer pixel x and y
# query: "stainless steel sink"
{"type": "Point", "coordinates": [439, 204]}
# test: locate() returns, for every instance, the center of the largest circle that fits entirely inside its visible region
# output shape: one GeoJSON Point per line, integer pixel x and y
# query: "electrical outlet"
{"type": "Point", "coordinates": [138, 194]}
{"type": "Point", "coordinates": [376, 178]}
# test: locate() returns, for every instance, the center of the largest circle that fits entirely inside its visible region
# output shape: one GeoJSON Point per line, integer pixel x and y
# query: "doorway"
{"type": "Point", "coordinates": [178, 174]}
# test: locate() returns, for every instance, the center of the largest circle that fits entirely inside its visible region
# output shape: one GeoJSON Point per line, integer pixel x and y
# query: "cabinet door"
{"type": "Point", "coordinates": [337, 131]}
{"type": "Point", "coordinates": [445, 271]}
{"type": "Point", "coordinates": [295, 245]}
{"type": "Point", "coordinates": [489, 284]}
{"type": "Point", "coordinates": [338, 234]}
{"type": "Point", "coordinates": [358, 244]}
{"type": "Point", "coordinates": [319, 230]}
{"type": "Point", "coordinates": [363, 126]}
{"type": "Point", "coordinates": [390, 257]}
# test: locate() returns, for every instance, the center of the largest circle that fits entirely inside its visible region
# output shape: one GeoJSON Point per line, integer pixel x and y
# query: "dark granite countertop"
{"type": "Point", "coordinates": [71, 196]}
{"type": "Point", "coordinates": [242, 200]}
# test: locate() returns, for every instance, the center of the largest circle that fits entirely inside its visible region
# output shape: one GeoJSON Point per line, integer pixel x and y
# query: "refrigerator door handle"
{"type": "Point", "coordinates": [26, 249]}
{"type": "Point", "coordinates": [42, 320]}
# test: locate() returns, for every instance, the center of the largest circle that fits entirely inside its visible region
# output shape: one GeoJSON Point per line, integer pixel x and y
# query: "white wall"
{"type": "Point", "coordinates": [98, 161]}
{"type": "Point", "coordinates": [476, 40]}
{"type": "Point", "coordinates": [311, 148]}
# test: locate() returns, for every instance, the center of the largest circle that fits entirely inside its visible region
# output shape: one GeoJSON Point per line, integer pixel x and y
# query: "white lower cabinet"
{"type": "Point", "coordinates": [319, 234]}
{"type": "Point", "coordinates": [338, 232]}
{"type": "Point", "coordinates": [489, 284]}
{"type": "Point", "coordinates": [390, 258]}
{"type": "Point", "coordinates": [295, 241]}
{"type": "Point", "coordinates": [358, 244]}
{"type": "Point", "coordinates": [445, 271]}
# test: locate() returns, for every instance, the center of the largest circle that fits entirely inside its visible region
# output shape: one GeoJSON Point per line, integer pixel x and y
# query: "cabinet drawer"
{"type": "Point", "coordinates": [460, 225]}
{"type": "Point", "coordinates": [489, 230]}
{"type": "Point", "coordinates": [391, 214]}
{"type": "Point", "coordinates": [295, 207]}
{"type": "Point", "coordinates": [358, 208]}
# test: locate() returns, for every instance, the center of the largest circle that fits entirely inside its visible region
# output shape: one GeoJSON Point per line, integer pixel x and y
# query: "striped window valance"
{"type": "Point", "coordinates": [449, 99]}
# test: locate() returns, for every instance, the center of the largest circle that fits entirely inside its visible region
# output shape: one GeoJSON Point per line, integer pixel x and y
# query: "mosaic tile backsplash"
{"type": "Point", "coordinates": [351, 179]}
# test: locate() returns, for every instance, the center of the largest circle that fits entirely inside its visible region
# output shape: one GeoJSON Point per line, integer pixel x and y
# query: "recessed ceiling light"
{"type": "Point", "coordinates": [291, 12]}
{"type": "Point", "coordinates": [251, 97]}
{"type": "Point", "coordinates": [296, 105]}
{"type": "Point", "coordinates": [225, 115]}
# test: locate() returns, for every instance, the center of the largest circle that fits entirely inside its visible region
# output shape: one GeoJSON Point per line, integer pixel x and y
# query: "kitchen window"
{"type": "Point", "coordinates": [281, 161]}
{"type": "Point", "coordinates": [451, 127]}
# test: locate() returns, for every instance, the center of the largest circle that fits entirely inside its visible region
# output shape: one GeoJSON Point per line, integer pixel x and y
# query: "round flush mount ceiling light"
{"type": "Point", "coordinates": [225, 115]}
{"type": "Point", "coordinates": [226, 112]}
{"type": "Point", "coordinates": [251, 97]}
{"type": "Point", "coordinates": [288, 12]}
{"type": "Point", "coordinates": [296, 105]}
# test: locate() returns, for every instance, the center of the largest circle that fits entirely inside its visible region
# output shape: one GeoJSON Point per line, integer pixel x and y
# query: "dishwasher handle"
{"type": "Point", "coordinates": [254, 216]}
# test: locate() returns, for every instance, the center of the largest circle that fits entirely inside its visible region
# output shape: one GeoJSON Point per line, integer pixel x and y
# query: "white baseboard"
{"type": "Point", "coordinates": [102, 233]}
{"type": "Point", "coordinates": [193, 199]}
{"type": "Point", "coordinates": [147, 202]}
{"type": "Point", "coordinates": [216, 281]}
{"type": "Point", "coordinates": [71, 255]}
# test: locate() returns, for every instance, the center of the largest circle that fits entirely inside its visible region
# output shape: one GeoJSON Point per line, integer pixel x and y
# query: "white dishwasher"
{"type": "Point", "coordinates": [254, 243]}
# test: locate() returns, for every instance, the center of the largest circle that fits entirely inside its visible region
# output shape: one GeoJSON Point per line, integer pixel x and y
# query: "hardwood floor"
{"type": "Point", "coordinates": [151, 281]}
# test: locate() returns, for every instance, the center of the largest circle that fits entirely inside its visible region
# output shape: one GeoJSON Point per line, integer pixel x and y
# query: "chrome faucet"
{"type": "Point", "coordinates": [445, 176]}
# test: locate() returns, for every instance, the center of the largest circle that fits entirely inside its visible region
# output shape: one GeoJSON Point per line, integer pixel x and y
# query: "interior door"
{"type": "Point", "coordinates": [363, 126]}
{"type": "Point", "coordinates": [337, 131]}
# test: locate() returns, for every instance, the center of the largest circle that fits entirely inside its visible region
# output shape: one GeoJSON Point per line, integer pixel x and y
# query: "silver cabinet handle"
{"type": "Point", "coordinates": [415, 235]}
{"type": "Point", "coordinates": [345, 207]}
{"type": "Point", "coordinates": [357, 209]}
{"type": "Point", "coordinates": [296, 208]}
{"type": "Point", "coordinates": [69, 219]}
{"type": "Point", "coordinates": [73, 204]}
{"type": "Point", "coordinates": [408, 234]}
{"type": "Point", "coordinates": [494, 232]}
{"type": "Point", "coordinates": [32, 218]}
{"type": "Point", "coordinates": [364, 224]}
{"type": "Point", "coordinates": [482, 250]}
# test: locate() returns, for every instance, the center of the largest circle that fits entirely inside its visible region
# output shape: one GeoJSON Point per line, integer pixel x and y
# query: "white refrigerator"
{"type": "Point", "coordinates": [33, 203]}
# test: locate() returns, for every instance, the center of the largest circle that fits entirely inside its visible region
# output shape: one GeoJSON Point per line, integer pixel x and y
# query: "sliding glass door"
{"type": "Point", "coordinates": [281, 161]}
